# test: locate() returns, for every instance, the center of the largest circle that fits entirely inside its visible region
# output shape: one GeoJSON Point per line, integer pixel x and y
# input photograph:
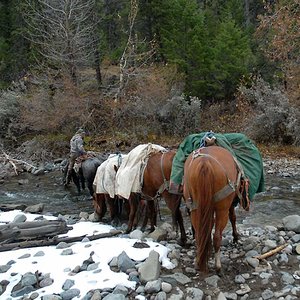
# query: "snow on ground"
{"type": "Point", "coordinates": [59, 266]}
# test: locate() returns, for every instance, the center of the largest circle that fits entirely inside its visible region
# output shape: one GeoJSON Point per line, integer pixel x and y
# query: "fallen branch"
{"type": "Point", "coordinates": [55, 241]}
{"type": "Point", "coordinates": [271, 252]}
{"type": "Point", "coordinates": [13, 162]}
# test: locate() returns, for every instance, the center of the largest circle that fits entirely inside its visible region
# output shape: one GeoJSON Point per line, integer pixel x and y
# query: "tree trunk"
{"type": "Point", "coordinates": [246, 13]}
{"type": "Point", "coordinates": [97, 68]}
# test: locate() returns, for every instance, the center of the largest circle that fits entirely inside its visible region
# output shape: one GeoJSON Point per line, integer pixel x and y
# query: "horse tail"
{"type": "Point", "coordinates": [204, 213]}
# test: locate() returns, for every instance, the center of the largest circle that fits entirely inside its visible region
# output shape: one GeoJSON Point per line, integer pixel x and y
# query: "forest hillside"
{"type": "Point", "coordinates": [148, 71]}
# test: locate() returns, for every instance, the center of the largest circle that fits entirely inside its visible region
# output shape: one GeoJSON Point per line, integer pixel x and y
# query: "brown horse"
{"type": "Point", "coordinates": [211, 184]}
{"type": "Point", "coordinates": [156, 179]}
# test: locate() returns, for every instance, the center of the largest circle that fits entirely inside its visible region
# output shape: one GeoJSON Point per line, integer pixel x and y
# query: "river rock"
{"type": "Point", "coordinates": [51, 297]}
{"type": "Point", "coordinates": [120, 289]}
{"type": "Point", "coordinates": [161, 296]}
{"type": "Point", "coordinates": [292, 223]}
{"type": "Point", "coordinates": [194, 294]}
{"type": "Point", "coordinates": [70, 294]}
{"type": "Point", "coordinates": [244, 289]}
{"type": "Point", "coordinates": [20, 218]}
{"type": "Point", "coordinates": [212, 280]}
{"type": "Point", "coordinates": [68, 284]}
{"type": "Point", "coordinates": [158, 234]}
{"type": "Point", "coordinates": [124, 262]}
{"type": "Point", "coordinates": [37, 208]}
{"type": "Point", "coordinates": [153, 286]}
{"type": "Point", "coordinates": [150, 269]}
{"type": "Point", "coordinates": [4, 268]}
{"type": "Point", "coordinates": [166, 287]}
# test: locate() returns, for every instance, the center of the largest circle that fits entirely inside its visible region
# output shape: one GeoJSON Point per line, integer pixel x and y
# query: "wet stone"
{"type": "Point", "coordinates": [62, 245]}
{"type": "Point", "coordinates": [70, 294]}
{"type": "Point", "coordinates": [267, 294]}
{"type": "Point", "coordinates": [28, 279]}
{"type": "Point", "coordinates": [67, 252]}
{"type": "Point", "coordinates": [231, 296]}
{"type": "Point", "coordinates": [46, 282]}
{"type": "Point", "coordinates": [4, 268]}
{"type": "Point", "coordinates": [239, 279]}
{"type": "Point", "coordinates": [244, 289]}
{"type": "Point", "coordinates": [161, 296]}
{"type": "Point", "coordinates": [24, 256]}
{"type": "Point", "coordinates": [166, 287]}
{"type": "Point", "coordinates": [194, 293]}
{"type": "Point", "coordinates": [39, 253]}
{"type": "Point", "coordinates": [212, 280]}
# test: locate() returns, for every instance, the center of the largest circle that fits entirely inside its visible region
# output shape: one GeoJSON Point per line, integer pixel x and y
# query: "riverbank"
{"type": "Point", "coordinates": [164, 271]}
{"type": "Point", "coordinates": [244, 276]}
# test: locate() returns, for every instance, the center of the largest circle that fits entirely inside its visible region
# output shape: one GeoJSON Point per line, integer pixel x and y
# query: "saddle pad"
{"type": "Point", "coordinates": [105, 178]}
{"type": "Point", "coordinates": [129, 177]}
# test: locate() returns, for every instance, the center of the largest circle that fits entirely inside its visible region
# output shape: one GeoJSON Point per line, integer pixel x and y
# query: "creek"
{"type": "Point", "coordinates": [281, 198]}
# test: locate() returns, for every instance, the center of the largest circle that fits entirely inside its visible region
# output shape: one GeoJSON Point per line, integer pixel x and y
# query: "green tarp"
{"type": "Point", "coordinates": [238, 144]}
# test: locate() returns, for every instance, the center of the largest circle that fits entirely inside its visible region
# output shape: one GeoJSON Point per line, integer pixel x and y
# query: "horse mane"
{"type": "Point", "coordinates": [205, 211]}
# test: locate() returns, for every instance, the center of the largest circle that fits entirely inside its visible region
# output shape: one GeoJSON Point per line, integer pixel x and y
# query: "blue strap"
{"type": "Point", "coordinates": [208, 134]}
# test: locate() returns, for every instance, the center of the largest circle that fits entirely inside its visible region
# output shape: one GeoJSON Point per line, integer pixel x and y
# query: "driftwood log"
{"type": "Point", "coordinates": [9, 207]}
{"type": "Point", "coordinates": [271, 252]}
{"type": "Point", "coordinates": [54, 241]}
{"type": "Point", "coordinates": [15, 162]}
{"type": "Point", "coordinates": [32, 230]}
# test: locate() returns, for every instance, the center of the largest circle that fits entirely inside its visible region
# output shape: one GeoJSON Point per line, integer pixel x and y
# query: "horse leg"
{"type": "Point", "coordinates": [133, 203]}
{"type": "Point", "coordinates": [90, 188]}
{"type": "Point", "coordinates": [76, 180]}
{"type": "Point", "coordinates": [153, 215]}
{"type": "Point", "coordinates": [221, 221]}
{"type": "Point", "coordinates": [82, 180]}
{"type": "Point", "coordinates": [140, 211]}
{"type": "Point", "coordinates": [150, 213]}
{"type": "Point", "coordinates": [99, 205]}
{"type": "Point", "coordinates": [144, 212]}
{"type": "Point", "coordinates": [232, 218]}
{"type": "Point", "coordinates": [113, 209]}
{"type": "Point", "coordinates": [177, 219]}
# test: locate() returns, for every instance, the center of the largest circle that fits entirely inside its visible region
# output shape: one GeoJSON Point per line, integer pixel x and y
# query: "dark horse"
{"type": "Point", "coordinates": [86, 172]}
{"type": "Point", "coordinates": [156, 179]}
{"type": "Point", "coordinates": [211, 184]}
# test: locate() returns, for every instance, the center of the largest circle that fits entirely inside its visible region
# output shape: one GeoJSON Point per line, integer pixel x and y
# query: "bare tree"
{"type": "Point", "coordinates": [132, 58]}
{"type": "Point", "coordinates": [62, 31]}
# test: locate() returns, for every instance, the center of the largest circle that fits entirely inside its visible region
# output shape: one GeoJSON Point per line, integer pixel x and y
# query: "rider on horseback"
{"type": "Point", "coordinates": [76, 150]}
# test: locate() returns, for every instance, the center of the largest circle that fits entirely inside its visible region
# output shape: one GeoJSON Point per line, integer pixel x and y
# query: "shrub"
{"type": "Point", "coordinates": [275, 120]}
{"type": "Point", "coordinates": [9, 109]}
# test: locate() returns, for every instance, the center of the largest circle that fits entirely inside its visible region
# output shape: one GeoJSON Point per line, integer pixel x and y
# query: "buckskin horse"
{"type": "Point", "coordinates": [211, 185]}
{"type": "Point", "coordinates": [156, 179]}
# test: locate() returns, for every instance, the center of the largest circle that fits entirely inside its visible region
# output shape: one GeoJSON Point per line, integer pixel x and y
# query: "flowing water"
{"type": "Point", "coordinates": [282, 197]}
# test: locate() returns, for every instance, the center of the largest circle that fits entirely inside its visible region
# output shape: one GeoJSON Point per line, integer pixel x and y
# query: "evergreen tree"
{"type": "Point", "coordinates": [14, 49]}
{"type": "Point", "coordinates": [233, 58]}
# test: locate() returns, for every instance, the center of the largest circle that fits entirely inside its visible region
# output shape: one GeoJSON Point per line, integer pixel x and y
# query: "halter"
{"type": "Point", "coordinates": [228, 189]}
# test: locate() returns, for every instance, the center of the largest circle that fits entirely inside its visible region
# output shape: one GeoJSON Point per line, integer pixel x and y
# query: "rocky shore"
{"type": "Point", "coordinates": [244, 274]}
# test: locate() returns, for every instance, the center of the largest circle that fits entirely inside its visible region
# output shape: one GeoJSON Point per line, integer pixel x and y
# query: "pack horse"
{"type": "Point", "coordinates": [211, 185]}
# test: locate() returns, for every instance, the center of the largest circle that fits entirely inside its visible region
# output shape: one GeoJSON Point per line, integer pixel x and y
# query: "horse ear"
{"type": "Point", "coordinates": [116, 168]}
